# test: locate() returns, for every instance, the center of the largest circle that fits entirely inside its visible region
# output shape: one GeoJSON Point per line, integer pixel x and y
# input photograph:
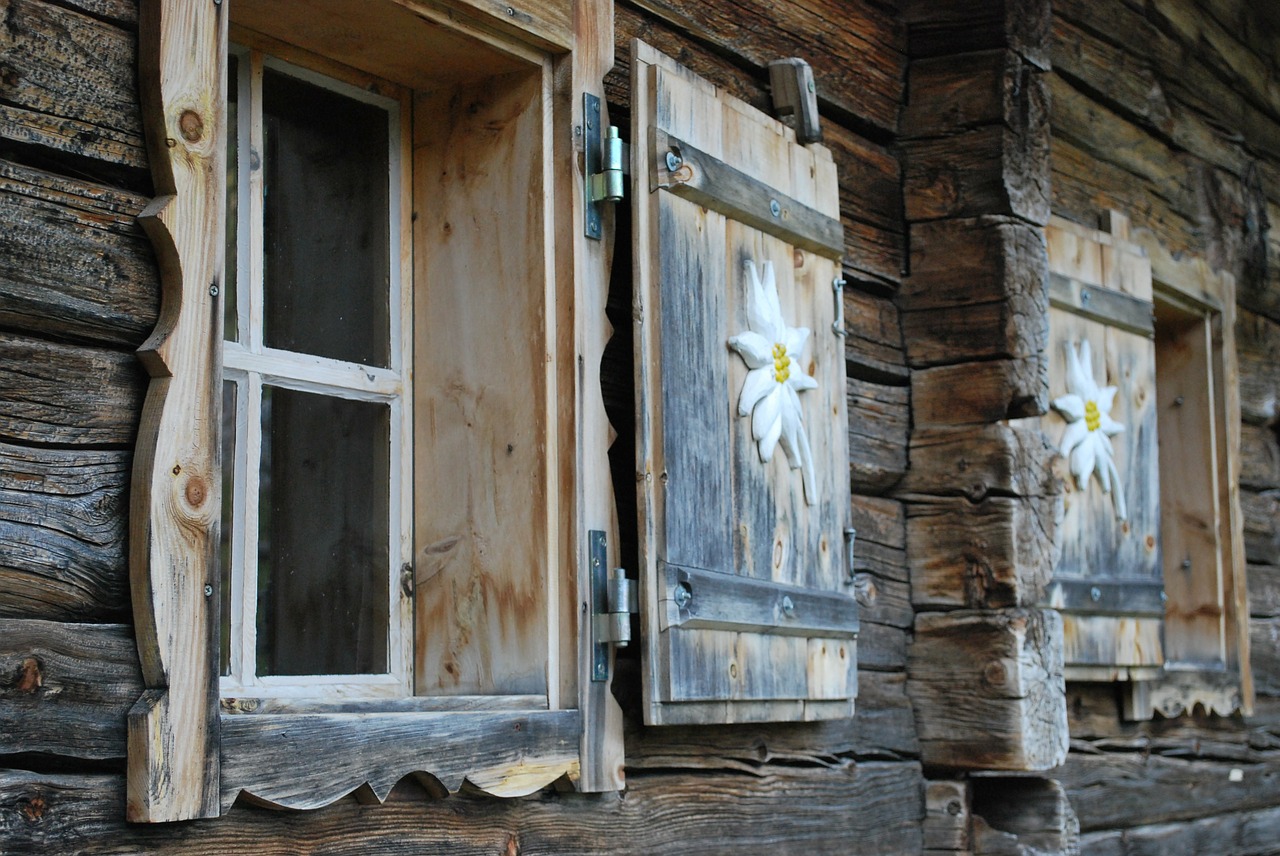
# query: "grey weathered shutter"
{"type": "Point", "coordinates": [1109, 582]}
{"type": "Point", "coordinates": [748, 610]}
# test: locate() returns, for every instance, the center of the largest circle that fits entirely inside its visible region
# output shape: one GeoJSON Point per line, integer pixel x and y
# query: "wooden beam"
{"type": "Point", "coordinates": [988, 690]}
{"type": "Point", "coordinates": [948, 27]}
{"type": "Point", "coordinates": [173, 745]}
{"type": "Point", "coordinates": [981, 392]}
{"type": "Point", "coordinates": [946, 818]}
{"type": "Point", "coordinates": [1014, 815]}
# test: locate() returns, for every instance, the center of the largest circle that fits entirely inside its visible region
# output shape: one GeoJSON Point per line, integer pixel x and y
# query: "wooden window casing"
{"type": "Point", "coordinates": [1189, 647]}
{"type": "Point", "coordinates": [506, 307]}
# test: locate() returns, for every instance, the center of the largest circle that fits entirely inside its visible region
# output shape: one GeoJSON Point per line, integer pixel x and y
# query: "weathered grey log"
{"type": "Point", "coordinates": [1264, 655]}
{"type": "Point", "coordinates": [1118, 789]}
{"type": "Point", "coordinates": [981, 392]}
{"type": "Point", "coordinates": [1237, 832]}
{"type": "Point", "coordinates": [1258, 351]}
{"type": "Point", "coordinates": [881, 728]}
{"type": "Point", "coordinates": [1259, 458]}
{"type": "Point", "coordinates": [68, 394]}
{"type": "Point", "coordinates": [65, 689]}
{"type": "Point", "coordinates": [957, 27]}
{"type": "Point", "coordinates": [989, 170]}
{"type": "Point", "coordinates": [953, 94]}
{"type": "Point", "coordinates": [977, 290]}
{"type": "Point", "coordinates": [992, 554]}
{"type": "Point", "coordinates": [1015, 816]}
{"type": "Point", "coordinates": [881, 647]}
{"type": "Point", "coordinates": [987, 689]}
{"type": "Point", "coordinates": [801, 809]}
{"type": "Point", "coordinates": [1261, 534]}
{"type": "Point", "coordinates": [873, 344]}
{"type": "Point", "coordinates": [879, 419]}
{"type": "Point", "coordinates": [880, 521]}
{"type": "Point", "coordinates": [74, 264]}
{"type": "Point", "coordinates": [62, 534]}
{"type": "Point", "coordinates": [70, 85]}
{"type": "Point", "coordinates": [946, 818]}
{"type": "Point", "coordinates": [1264, 591]}
{"type": "Point", "coordinates": [977, 462]}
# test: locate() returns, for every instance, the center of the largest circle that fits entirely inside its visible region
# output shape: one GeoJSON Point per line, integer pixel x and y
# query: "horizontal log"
{"type": "Point", "coordinates": [946, 818]}
{"type": "Point", "coordinates": [1261, 510]}
{"type": "Point", "coordinates": [881, 647]}
{"type": "Point", "coordinates": [1021, 814]}
{"type": "Point", "coordinates": [953, 94]}
{"type": "Point", "coordinates": [70, 85]}
{"type": "Point", "coordinates": [879, 419]}
{"type": "Point", "coordinates": [987, 689]}
{"type": "Point", "coordinates": [1119, 789]}
{"type": "Point", "coordinates": [870, 177]}
{"type": "Point", "coordinates": [977, 291]}
{"type": "Point", "coordinates": [68, 394]}
{"type": "Point", "coordinates": [993, 554]}
{"type": "Point", "coordinates": [1259, 458]}
{"type": "Point", "coordinates": [1264, 590]}
{"type": "Point", "coordinates": [980, 461]}
{"type": "Point", "coordinates": [858, 65]}
{"type": "Point", "coordinates": [881, 728]}
{"type": "Point", "coordinates": [981, 392]}
{"type": "Point", "coordinates": [1264, 655]}
{"type": "Point", "coordinates": [988, 170]}
{"type": "Point", "coordinates": [62, 534]}
{"type": "Point", "coordinates": [880, 521]}
{"type": "Point", "coordinates": [873, 341]}
{"type": "Point", "coordinates": [1253, 831]}
{"type": "Point", "coordinates": [74, 263]}
{"type": "Point", "coordinates": [948, 27]}
{"type": "Point", "coordinates": [65, 689]}
{"type": "Point", "coordinates": [1258, 352]}
{"type": "Point", "coordinates": [801, 809]}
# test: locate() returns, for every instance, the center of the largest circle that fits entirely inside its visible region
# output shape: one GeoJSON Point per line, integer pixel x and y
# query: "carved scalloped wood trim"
{"type": "Point", "coordinates": [173, 728]}
{"type": "Point", "coordinates": [304, 761]}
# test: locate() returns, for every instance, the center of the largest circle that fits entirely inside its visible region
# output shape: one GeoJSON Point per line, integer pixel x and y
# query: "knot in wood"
{"type": "Point", "coordinates": [191, 126]}
{"type": "Point", "coordinates": [196, 491]}
{"type": "Point", "coordinates": [29, 678]}
{"type": "Point", "coordinates": [995, 673]}
{"type": "Point", "coordinates": [33, 809]}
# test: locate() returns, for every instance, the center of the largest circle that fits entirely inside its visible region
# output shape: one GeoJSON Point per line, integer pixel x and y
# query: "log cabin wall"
{"type": "Point", "coordinates": [79, 293]}
{"type": "Point", "coordinates": [1166, 110]}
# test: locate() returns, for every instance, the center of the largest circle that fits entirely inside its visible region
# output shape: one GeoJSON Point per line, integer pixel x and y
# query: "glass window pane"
{"type": "Point", "coordinates": [231, 330]}
{"type": "Point", "coordinates": [225, 541]}
{"type": "Point", "coordinates": [323, 572]}
{"type": "Point", "coordinates": [326, 222]}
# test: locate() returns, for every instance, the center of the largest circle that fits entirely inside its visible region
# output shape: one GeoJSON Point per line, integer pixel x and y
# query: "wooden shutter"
{"type": "Point", "coordinates": [1109, 581]}
{"type": "Point", "coordinates": [748, 608]}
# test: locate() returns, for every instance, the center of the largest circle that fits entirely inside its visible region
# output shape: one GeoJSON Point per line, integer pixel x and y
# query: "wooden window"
{"type": "Point", "coordinates": [1152, 597]}
{"type": "Point", "coordinates": [317, 422]}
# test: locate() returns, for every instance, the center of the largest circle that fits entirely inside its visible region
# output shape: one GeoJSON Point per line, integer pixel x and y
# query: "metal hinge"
{"type": "Point", "coordinates": [613, 600]}
{"type": "Point", "coordinates": [605, 164]}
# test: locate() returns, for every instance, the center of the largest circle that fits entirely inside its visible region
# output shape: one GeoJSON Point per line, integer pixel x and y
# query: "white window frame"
{"type": "Point", "coordinates": [249, 364]}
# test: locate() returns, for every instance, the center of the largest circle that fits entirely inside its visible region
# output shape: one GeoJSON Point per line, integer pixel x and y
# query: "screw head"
{"type": "Point", "coordinates": [774, 208]}
{"type": "Point", "coordinates": [208, 591]}
{"type": "Point", "coordinates": [1095, 594]}
{"type": "Point", "coordinates": [213, 291]}
{"type": "Point", "coordinates": [788, 607]}
{"type": "Point", "coordinates": [683, 595]}
{"type": "Point", "coordinates": [673, 161]}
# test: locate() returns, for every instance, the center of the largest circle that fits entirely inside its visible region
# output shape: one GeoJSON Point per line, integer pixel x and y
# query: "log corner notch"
{"type": "Point", "coordinates": [985, 670]}
{"type": "Point", "coordinates": [173, 769]}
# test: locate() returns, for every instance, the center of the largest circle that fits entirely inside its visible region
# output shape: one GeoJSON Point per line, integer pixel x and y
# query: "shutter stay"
{"type": "Point", "coordinates": [605, 164]}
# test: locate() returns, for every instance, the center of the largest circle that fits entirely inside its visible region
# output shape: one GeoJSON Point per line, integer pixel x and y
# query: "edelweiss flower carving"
{"type": "Point", "coordinates": [770, 392]}
{"type": "Point", "coordinates": [1087, 438]}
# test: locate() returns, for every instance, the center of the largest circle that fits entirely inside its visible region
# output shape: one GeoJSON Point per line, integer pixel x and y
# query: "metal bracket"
{"type": "Point", "coordinates": [604, 167]}
{"type": "Point", "coordinates": [850, 538]}
{"type": "Point", "coordinates": [613, 601]}
{"type": "Point", "coordinates": [837, 326]}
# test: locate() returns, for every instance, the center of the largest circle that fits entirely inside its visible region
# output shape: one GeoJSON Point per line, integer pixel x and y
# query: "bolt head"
{"type": "Point", "coordinates": [774, 208]}
{"type": "Point", "coordinates": [788, 606]}
{"type": "Point", "coordinates": [1095, 594]}
{"type": "Point", "coordinates": [673, 162]}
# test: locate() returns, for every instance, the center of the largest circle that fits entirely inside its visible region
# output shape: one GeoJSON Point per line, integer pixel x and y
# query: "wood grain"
{"type": "Point", "coordinates": [62, 534]}
{"type": "Point", "coordinates": [74, 264]}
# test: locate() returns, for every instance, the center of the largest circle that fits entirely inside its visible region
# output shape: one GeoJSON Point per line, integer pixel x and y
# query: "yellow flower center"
{"type": "Point", "coordinates": [1092, 418]}
{"type": "Point", "coordinates": [781, 364]}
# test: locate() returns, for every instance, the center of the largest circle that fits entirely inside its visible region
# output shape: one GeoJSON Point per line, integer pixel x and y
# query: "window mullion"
{"type": "Point", "coordinates": [254, 169]}
{"type": "Point", "coordinates": [248, 467]}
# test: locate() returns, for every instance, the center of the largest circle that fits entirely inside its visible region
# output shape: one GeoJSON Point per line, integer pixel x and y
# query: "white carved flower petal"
{"type": "Point", "coordinates": [1101, 467]}
{"type": "Point", "coordinates": [1083, 458]}
{"type": "Point", "coordinates": [1074, 434]}
{"type": "Point", "coordinates": [794, 339]}
{"type": "Point", "coordinates": [768, 441]}
{"type": "Point", "coordinates": [1080, 371]}
{"type": "Point", "coordinates": [756, 350]}
{"type": "Point", "coordinates": [764, 311]}
{"type": "Point", "coordinates": [1117, 496]}
{"type": "Point", "coordinates": [1109, 426]}
{"type": "Point", "coordinates": [795, 442]}
{"type": "Point", "coordinates": [758, 383]}
{"type": "Point", "coordinates": [1071, 406]}
{"type": "Point", "coordinates": [767, 412]}
{"type": "Point", "coordinates": [1106, 398]}
{"type": "Point", "coordinates": [799, 381]}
